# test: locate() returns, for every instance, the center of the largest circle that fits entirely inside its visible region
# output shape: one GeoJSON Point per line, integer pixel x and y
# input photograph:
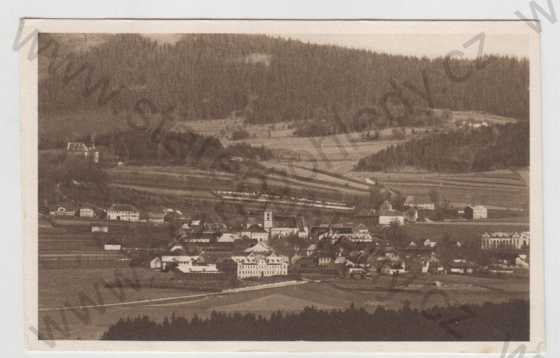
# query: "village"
{"type": "Point", "coordinates": [263, 180]}
{"type": "Point", "coordinates": [271, 247]}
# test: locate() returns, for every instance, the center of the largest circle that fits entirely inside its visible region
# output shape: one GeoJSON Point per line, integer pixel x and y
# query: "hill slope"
{"type": "Point", "coordinates": [481, 149]}
{"type": "Point", "coordinates": [264, 79]}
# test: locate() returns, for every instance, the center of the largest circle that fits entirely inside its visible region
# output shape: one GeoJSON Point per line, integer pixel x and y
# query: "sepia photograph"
{"type": "Point", "coordinates": [283, 181]}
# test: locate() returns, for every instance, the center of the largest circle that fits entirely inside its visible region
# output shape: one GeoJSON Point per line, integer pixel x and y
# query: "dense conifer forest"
{"type": "Point", "coordinates": [486, 322]}
{"type": "Point", "coordinates": [267, 79]}
{"type": "Point", "coordinates": [481, 149]}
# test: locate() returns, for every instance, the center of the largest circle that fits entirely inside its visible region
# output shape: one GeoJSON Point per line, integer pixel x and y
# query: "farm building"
{"type": "Point", "coordinates": [165, 262]}
{"type": "Point", "coordinates": [112, 247]}
{"type": "Point", "coordinates": [426, 206]}
{"type": "Point", "coordinates": [461, 267]}
{"type": "Point", "coordinates": [476, 212]}
{"type": "Point", "coordinates": [355, 232]}
{"type": "Point", "coordinates": [99, 228]}
{"type": "Point", "coordinates": [123, 212]}
{"type": "Point", "coordinates": [229, 237]}
{"type": "Point", "coordinates": [197, 265]}
{"type": "Point", "coordinates": [412, 202]}
{"type": "Point", "coordinates": [79, 149]}
{"type": "Point", "coordinates": [505, 240]}
{"type": "Point", "coordinates": [66, 209]}
{"type": "Point", "coordinates": [156, 218]}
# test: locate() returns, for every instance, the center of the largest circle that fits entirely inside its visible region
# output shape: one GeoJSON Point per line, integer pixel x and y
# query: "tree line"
{"type": "Point", "coordinates": [480, 149]}
{"type": "Point", "coordinates": [267, 79]}
{"type": "Point", "coordinates": [485, 322]}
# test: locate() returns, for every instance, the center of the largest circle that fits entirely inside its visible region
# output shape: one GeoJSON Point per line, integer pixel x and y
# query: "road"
{"type": "Point", "coordinates": [176, 298]}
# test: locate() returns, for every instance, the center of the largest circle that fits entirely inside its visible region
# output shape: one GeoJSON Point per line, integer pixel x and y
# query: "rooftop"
{"type": "Point", "coordinates": [123, 207]}
{"type": "Point", "coordinates": [76, 147]}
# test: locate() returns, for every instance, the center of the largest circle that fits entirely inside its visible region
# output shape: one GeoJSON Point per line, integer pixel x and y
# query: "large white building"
{"type": "Point", "coordinates": [123, 212]}
{"type": "Point", "coordinates": [505, 240]}
{"type": "Point", "coordinates": [259, 265]}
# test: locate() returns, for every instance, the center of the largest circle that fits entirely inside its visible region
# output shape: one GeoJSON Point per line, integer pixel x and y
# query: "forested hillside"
{"type": "Point", "coordinates": [265, 79]}
{"type": "Point", "coordinates": [480, 149]}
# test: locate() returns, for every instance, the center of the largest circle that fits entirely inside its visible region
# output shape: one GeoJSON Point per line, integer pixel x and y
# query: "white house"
{"type": "Point", "coordinates": [194, 267]}
{"type": "Point", "coordinates": [86, 212]}
{"type": "Point", "coordinates": [228, 237]}
{"type": "Point", "coordinates": [123, 212]}
{"type": "Point", "coordinates": [99, 228]}
{"type": "Point", "coordinates": [386, 217]}
{"type": "Point", "coordinates": [64, 210]}
{"type": "Point", "coordinates": [430, 243]}
{"type": "Point", "coordinates": [112, 247]}
{"type": "Point", "coordinates": [461, 267]}
{"type": "Point", "coordinates": [426, 206]}
{"type": "Point", "coordinates": [476, 212]}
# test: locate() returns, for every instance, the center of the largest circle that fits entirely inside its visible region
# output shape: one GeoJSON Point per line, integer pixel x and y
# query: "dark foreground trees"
{"type": "Point", "coordinates": [489, 321]}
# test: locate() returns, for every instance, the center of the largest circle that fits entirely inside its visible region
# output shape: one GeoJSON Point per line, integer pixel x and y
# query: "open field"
{"type": "Point", "coordinates": [65, 286]}
{"type": "Point", "coordinates": [256, 180]}
{"type": "Point", "coordinates": [188, 182]}
{"type": "Point", "coordinates": [459, 232]}
{"type": "Point", "coordinates": [500, 189]}
{"type": "Point", "coordinates": [296, 157]}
